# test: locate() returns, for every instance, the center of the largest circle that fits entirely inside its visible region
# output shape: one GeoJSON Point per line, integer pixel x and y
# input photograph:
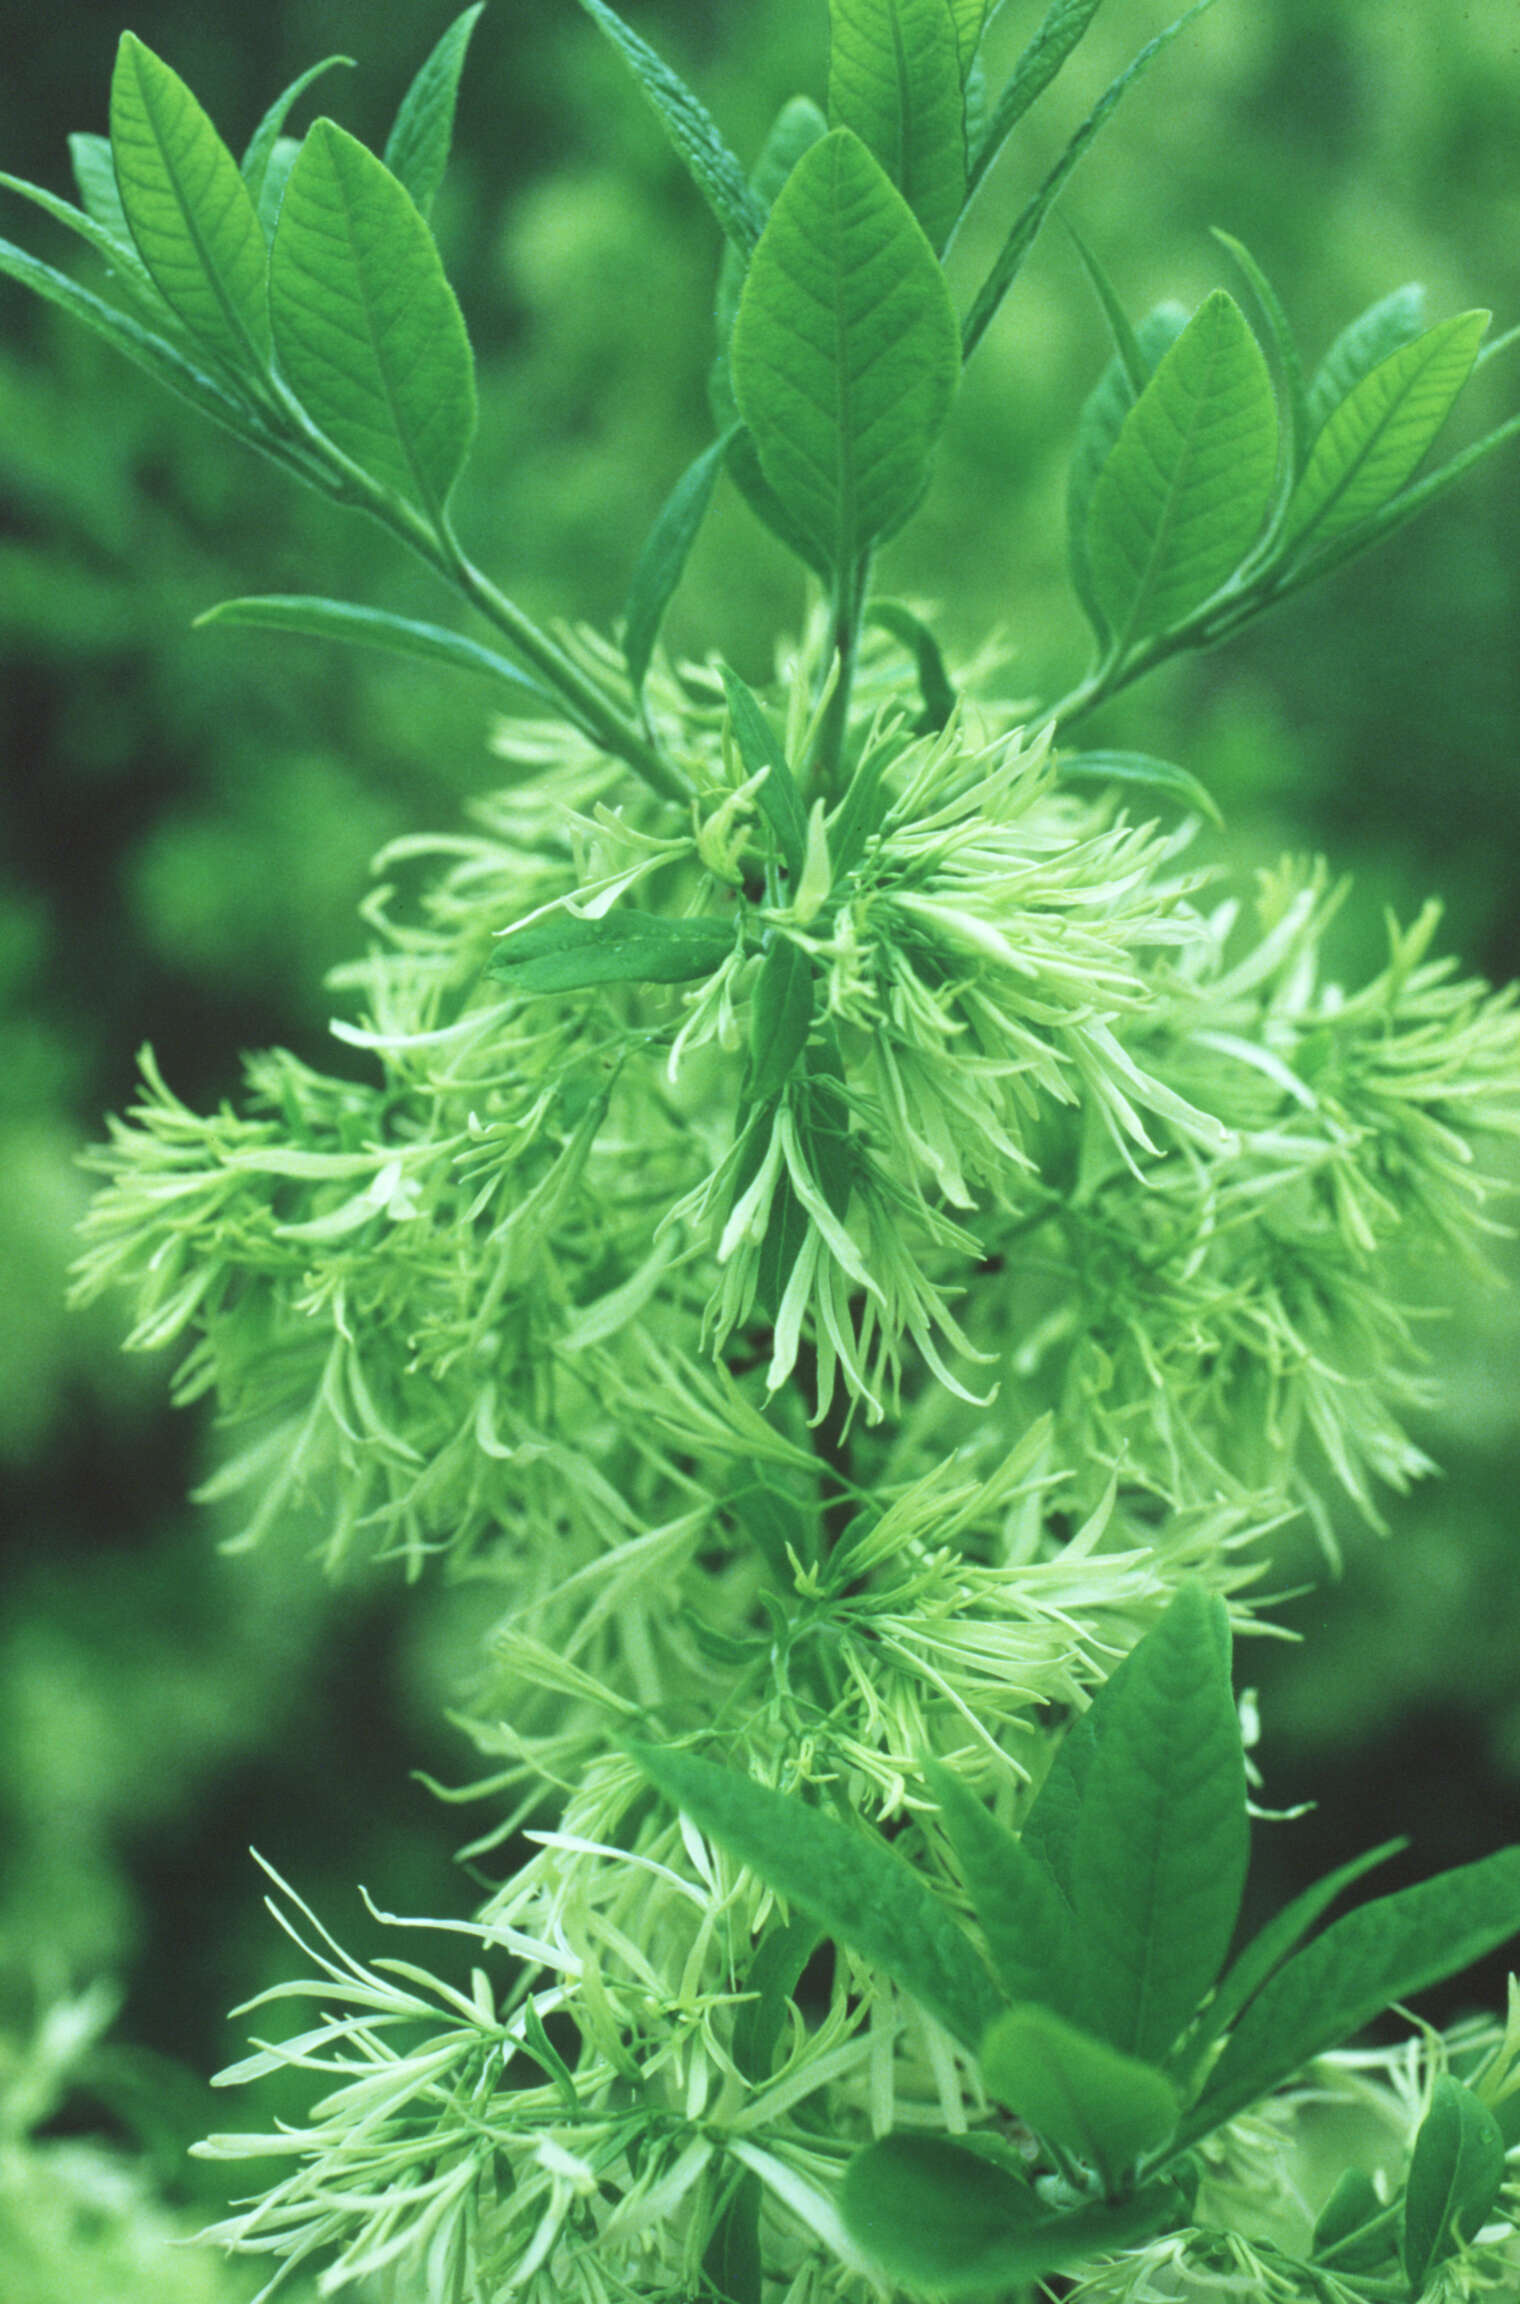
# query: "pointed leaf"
{"type": "Point", "coordinates": [796, 128]}
{"type": "Point", "coordinates": [282, 160]}
{"type": "Point", "coordinates": [1098, 428]}
{"type": "Point", "coordinates": [1026, 225]}
{"type": "Point", "coordinates": [1384, 1951]}
{"type": "Point", "coordinates": [1185, 492]}
{"type": "Point", "coordinates": [844, 352]}
{"type": "Point", "coordinates": [944, 2216]}
{"type": "Point", "coordinates": [1455, 2177]}
{"type": "Point", "coordinates": [1137, 369]}
{"type": "Point", "coordinates": [1383, 329]}
{"type": "Point", "coordinates": [255, 161]}
{"type": "Point", "coordinates": [188, 208]}
{"type": "Point", "coordinates": [1296, 425]}
{"type": "Point", "coordinates": [1144, 771]}
{"type": "Point", "coordinates": [760, 747]}
{"type": "Point", "coordinates": [857, 1888]}
{"type": "Point", "coordinates": [933, 680]}
{"type": "Point", "coordinates": [377, 628]}
{"type": "Point", "coordinates": [1353, 2231]}
{"type": "Point", "coordinates": [895, 78]}
{"type": "Point", "coordinates": [733, 2268]}
{"type": "Point", "coordinates": [119, 254]}
{"type": "Point", "coordinates": [663, 559]}
{"type": "Point", "coordinates": [1019, 1908]}
{"type": "Point", "coordinates": [780, 1018]}
{"type": "Point", "coordinates": [368, 330]}
{"type": "Point", "coordinates": [417, 149]}
{"type": "Point", "coordinates": [774, 1974]}
{"type": "Point", "coordinates": [1379, 434]}
{"type": "Point", "coordinates": [970, 18]}
{"type": "Point", "coordinates": [1396, 511]}
{"type": "Point", "coordinates": [567, 953]}
{"type": "Point", "coordinates": [745, 472]}
{"type": "Point", "coordinates": [99, 192]}
{"type": "Point", "coordinates": [1050, 1828]}
{"type": "Point", "coordinates": [1078, 2092]}
{"type": "Point", "coordinates": [1159, 1857]}
{"type": "Point", "coordinates": [1057, 34]}
{"type": "Point", "coordinates": [702, 151]}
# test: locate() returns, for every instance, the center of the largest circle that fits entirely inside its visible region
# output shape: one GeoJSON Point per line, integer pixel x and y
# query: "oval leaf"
{"type": "Point", "coordinates": [189, 210]}
{"type": "Point", "coordinates": [1017, 1904]}
{"type": "Point", "coordinates": [1078, 2092]}
{"type": "Point", "coordinates": [1383, 329]}
{"type": "Point", "coordinates": [566, 953]}
{"type": "Point", "coordinates": [417, 149]}
{"type": "Point", "coordinates": [895, 78]}
{"type": "Point", "coordinates": [845, 352]}
{"type": "Point", "coordinates": [255, 161]}
{"type": "Point", "coordinates": [368, 330]}
{"type": "Point", "coordinates": [1455, 2176]}
{"type": "Point", "coordinates": [1379, 434]}
{"type": "Point", "coordinates": [1098, 427]}
{"type": "Point", "coordinates": [1183, 496]}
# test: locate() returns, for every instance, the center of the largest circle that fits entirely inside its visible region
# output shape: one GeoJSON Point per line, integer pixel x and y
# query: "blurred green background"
{"type": "Point", "coordinates": [186, 819]}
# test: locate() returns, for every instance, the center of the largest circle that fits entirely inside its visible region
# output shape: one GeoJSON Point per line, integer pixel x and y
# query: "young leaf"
{"type": "Point", "coordinates": [368, 331]}
{"type": "Point", "coordinates": [1026, 224]}
{"type": "Point", "coordinates": [378, 628]}
{"type": "Point", "coordinates": [1056, 35]}
{"type": "Point", "coordinates": [1373, 337]}
{"type": "Point", "coordinates": [663, 559]}
{"type": "Point", "coordinates": [417, 149]}
{"type": "Point", "coordinates": [1078, 2092]}
{"type": "Point", "coordinates": [970, 19]}
{"type": "Point", "coordinates": [707, 159]}
{"type": "Point", "coordinates": [1184, 494]}
{"type": "Point", "coordinates": [1158, 1861]}
{"type": "Point", "coordinates": [119, 254]}
{"type": "Point", "coordinates": [188, 208]}
{"type": "Point", "coordinates": [1397, 510]}
{"type": "Point", "coordinates": [1296, 421]}
{"type": "Point", "coordinates": [943, 2216]}
{"type": "Point", "coordinates": [1019, 1908]}
{"type": "Point", "coordinates": [857, 1888]}
{"type": "Point", "coordinates": [933, 680]}
{"type": "Point", "coordinates": [282, 160]}
{"type": "Point", "coordinates": [760, 747]}
{"type": "Point", "coordinates": [254, 166]}
{"type": "Point", "coordinates": [1144, 771]}
{"type": "Point", "coordinates": [1137, 369]}
{"type": "Point", "coordinates": [1384, 1951]}
{"type": "Point", "coordinates": [567, 953]}
{"type": "Point", "coordinates": [1354, 2230]}
{"type": "Point", "coordinates": [796, 128]}
{"type": "Point", "coordinates": [774, 1974]}
{"type": "Point", "coordinates": [780, 1019]}
{"type": "Point", "coordinates": [1455, 2177]}
{"type": "Point", "coordinates": [895, 78]}
{"type": "Point", "coordinates": [99, 192]}
{"type": "Point", "coordinates": [1379, 434]}
{"type": "Point", "coordinates": [844, 352]}
{"type": "Point", "coordinates": [1098, 427]}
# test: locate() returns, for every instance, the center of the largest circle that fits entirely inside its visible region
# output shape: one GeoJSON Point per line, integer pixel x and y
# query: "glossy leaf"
{"type": "Point", "coordinates": [941, 2215]}
{"type": "Point", "coordinates": [254, 166]}
{"type": "Point", "coordinates": [1026, 225]}
{"type": "Point", "coordinates": [1455, 2176]}
{"type": "Point", "coordinates": [1384, 1951]}
{"type": "Point", "coordinates": [566, 953]}
{"type": "Point", "coordinates": [1380, 433]}
{"type": "Point", "coordinates": [796, 128]}
{"type": "Point", "coordinates": [781, 1017]}
{"type": "Point", "coordinates": [99, 192]}
{"type": "Point", "coordinates": [702, 151]}
{"type": "Point", "coordinates": [844, 352]}
{"type": "Point", "coordinates": [760, 748]}
{"type": "Point", "coordinates": [663, 559]}
{"type": "Point", "coordinates": [1185, 492]}
{"type": "Point", "coordinates": [1158, 1861]}
{"type": "Point", "coordinates": [282, 160]}
{"type": "Point", "coordinates": [970, 19]}
{"type": "Point", "coordinates": [1056, 35]}
{"type": "Point", "coordinates": [1019, 1908]}
{"type": "Point", "coordinates": [1098, 427]}
{"type": "Point", "coordinates": [1143, 772]}
{"type": "Point", "coordinates": [895, 79]}
{"type": "Point", "coordinates": [1398, 509]}
{"type": "Point", "coordinates": [119, 254]}
{"type": "Point", "coordinates": [933, 680]}
{"type": "Point", "coordinates": [1076, 2091]}
{"type": "Point", "coordinates": [417, 149]}
{"type": "Point", "coordinates": [188, 208]}
{"type": "Point", "coordinates": [1293, 400]}
{"type": "Point", "coordinates": [377, 628]}
{"type": "Point", "coordinates": [368, 330]}
{"type": "Point", "coordinates": [856, 1887]}
{"type": "Point", "coordinates": [1373, 337]}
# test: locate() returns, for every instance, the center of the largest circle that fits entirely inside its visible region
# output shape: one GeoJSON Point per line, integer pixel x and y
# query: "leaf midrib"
{"type": "Point", "coordinates": [211, 271]}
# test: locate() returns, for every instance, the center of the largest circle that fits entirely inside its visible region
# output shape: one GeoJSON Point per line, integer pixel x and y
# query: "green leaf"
{"type": "Point", "coordinates": [417, 149]}
{"type": "Point", "coordinates": [663, 559]}
{"type": "Point", "coordinates": [1019, 1908]}
{"type": "Point", "coordinates": [282, 160]}
{"type": "Point", "coordinates": [1384, 1951]}
{"type": "Point", "coordinates": [1098, 428]}
{"type": "Point", "coordinates": [1145, 772]}
{"type": "Point", "coordinates": [255, 162]}
{"type": "Point", "coordinates": [760, 748]}
{"type": "Point", "coordinates": [119, 254]}
{"type": "Point", "coordinates": [1137, 369]}
{"type": "Point", "coordinates": [796, 128]}
{"type": "Point", "coordinates": [1373, 337]}
{"type": "Point", "coordinates": [1296, 422]}
{"type": "Point", "coordinates": [1380, 433]}
{"type": "Point", "coordinates": [733, 2267]}
{"type": "Point", "coordinates": [99, 192]}
{"type": "Point", "coordinates": [368, 330]}
{"type": "Point", "coordinates": [1397, 510]}
{"type": "Point", "coordinates": [844, 352]}
{"type": "Point", "coordinates": [771, 1517]}
{"type": "Point", "coordinates": [702, 151]}
{"type": "Point", "coordinates": [895, 78]}
{"type": "Point", "coordinates": [1026, 225]}
{"type": "Point", "coordinates": [188, 208]}
{"type": "Point", "coordinates": [1077, 2092]}
{"type": "Point", "coordinates": [1057, 34]}
{"type": "Point", "coordinates": [566, 953]}
{"type": "Point", "coordinates": [1158, 1861]}
{"type": "Point", "coordinates": [780, 1018]}
{"type": "Point", "coordinates": [747, 476]}
{"type": "Point", "coordinates": [942, 2216]}
{"type": "Point", "coordinates": [1354, 2229]}
{"type": "Point", "coordinates": [1455, 2177]}
{"type": "Point", "coordinates": [774, 1974]}
{"type": "Point", "coordinates": [933, 680]}
{"type": "Point", "coordinates": [1186, 490]}
{"type": "Point", "coordinates": [970, 19]}
{"type": "Point", "coordinates": [377, 628]}
{"type": "Point", "coordinates": [857, 1888]}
